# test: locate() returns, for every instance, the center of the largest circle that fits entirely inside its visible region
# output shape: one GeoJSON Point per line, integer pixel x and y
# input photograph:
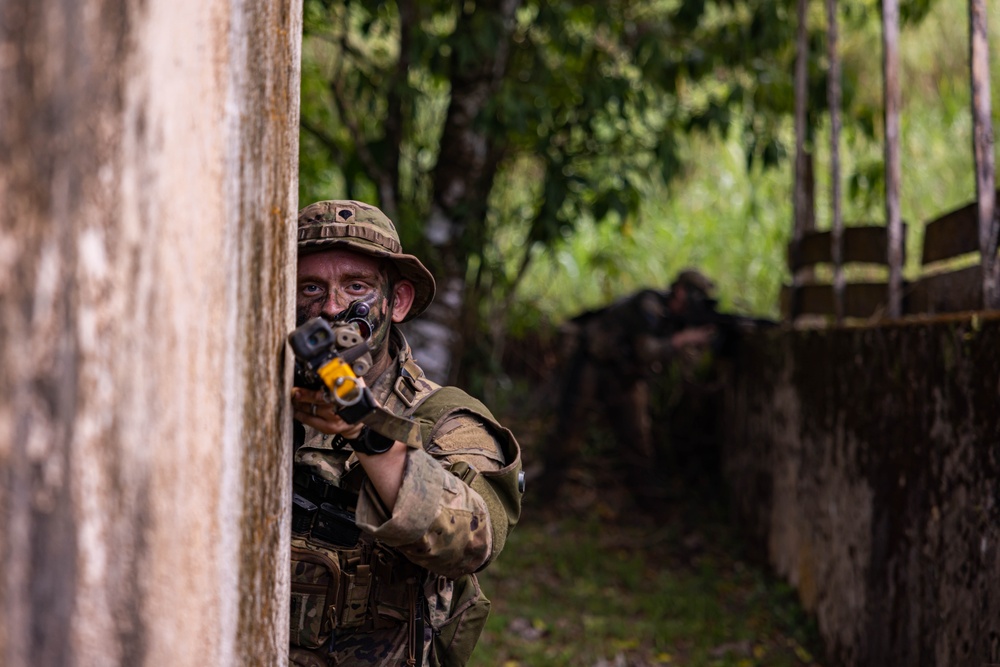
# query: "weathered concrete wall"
{"type": "Point", "coordinates": [866, 464]}
{"type": "Point", "coordinates": [148, 155]}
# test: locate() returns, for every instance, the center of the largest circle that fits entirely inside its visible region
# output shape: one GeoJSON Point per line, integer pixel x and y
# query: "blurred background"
{"type": "Point", "coordinates": [549, 157]}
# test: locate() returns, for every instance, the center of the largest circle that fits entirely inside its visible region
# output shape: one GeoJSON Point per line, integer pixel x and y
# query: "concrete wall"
{"type": "Point", "coordinates": [148, 185]}
{"type": "Point", "coordinates": [866, 465]}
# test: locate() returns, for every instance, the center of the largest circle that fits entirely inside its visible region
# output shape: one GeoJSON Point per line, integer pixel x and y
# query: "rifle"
{"type": "Point", "coordinates": [729, 327]}
{"type": "Point", "coordinates": [333, 356]}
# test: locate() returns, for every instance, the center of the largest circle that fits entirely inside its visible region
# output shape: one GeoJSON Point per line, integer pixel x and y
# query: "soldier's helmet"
{"type": "Point", "coordinates": [699, 288]}
{"type": "Point", "coordinates": [695, 280]}
{"type": "Point", "coordinates": [363, 228]}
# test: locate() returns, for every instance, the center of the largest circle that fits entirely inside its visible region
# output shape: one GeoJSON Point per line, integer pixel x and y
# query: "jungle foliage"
{"type": "Point", "coordinates": [493, 132]}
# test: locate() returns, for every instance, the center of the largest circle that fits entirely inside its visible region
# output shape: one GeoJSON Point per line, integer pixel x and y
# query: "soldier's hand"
{"type": "Point", "coordinates": [695, 336]}
{"type": "Point", "coordinates": [315, 408]}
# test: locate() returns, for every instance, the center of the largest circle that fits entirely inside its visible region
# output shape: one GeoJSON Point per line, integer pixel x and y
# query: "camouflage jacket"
{"type": "Point", "coordinates": [456, 505]}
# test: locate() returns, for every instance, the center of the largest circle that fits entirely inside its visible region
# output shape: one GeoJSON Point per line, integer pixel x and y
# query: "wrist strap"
{"type": "Point", "coordinates": [372, 442]}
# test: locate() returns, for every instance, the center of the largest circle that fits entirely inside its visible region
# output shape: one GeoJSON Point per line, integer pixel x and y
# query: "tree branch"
{"type": "Point", "coordinates": [378, 175]}
{"type": "Point", "coordinates": [325, 139]}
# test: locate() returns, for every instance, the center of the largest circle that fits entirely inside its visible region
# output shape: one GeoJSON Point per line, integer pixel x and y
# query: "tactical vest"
{"type": "Point", "coordinates": [345, 579]}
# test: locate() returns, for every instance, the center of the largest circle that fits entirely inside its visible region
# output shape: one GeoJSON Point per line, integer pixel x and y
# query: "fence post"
{"type": "Point", "coordinates": [890, 59]}
{"type": "Point", "coordinates": [800, 194]}
{"type": "Point", "coordinates": [837, 222]}
{"type": "Point", "coordinates": [982, 145]}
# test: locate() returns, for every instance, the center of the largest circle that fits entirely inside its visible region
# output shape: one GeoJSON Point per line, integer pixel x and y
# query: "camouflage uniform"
{"type": "Point", "coordinates": [459, 499]}
{"type": "Point", "coordinates": [609, 356]}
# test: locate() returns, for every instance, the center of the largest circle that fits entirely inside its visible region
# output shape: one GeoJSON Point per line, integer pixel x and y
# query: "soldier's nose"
{"type": "Point", "coordinates": [332, 306]}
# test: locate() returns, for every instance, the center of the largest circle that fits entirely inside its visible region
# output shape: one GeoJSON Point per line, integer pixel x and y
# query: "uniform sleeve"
{"type": "Point", "coordinates": [440, 522]}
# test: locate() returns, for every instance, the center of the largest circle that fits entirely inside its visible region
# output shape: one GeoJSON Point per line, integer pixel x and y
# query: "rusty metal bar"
{"type": "Point", "coordinates": [982, 145]}
{"type": "Point", "coordinates": [834, 99]}
{"type": "Point", "coordinates": [893, 177]}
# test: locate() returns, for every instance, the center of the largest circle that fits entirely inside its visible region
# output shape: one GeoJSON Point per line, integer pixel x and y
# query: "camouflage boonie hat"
{"type": "Point", "coordinates": [695, 279]}
{"type": "Point", "coordinates": [363, 228]}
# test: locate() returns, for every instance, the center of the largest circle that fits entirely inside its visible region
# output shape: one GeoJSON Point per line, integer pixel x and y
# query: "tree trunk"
{"type": "Point", "coordinates": [463, 178]}
{"type": "Point", "coordinates": [804, 186]}
{"type": "Point", "coordinates": [148, 186]}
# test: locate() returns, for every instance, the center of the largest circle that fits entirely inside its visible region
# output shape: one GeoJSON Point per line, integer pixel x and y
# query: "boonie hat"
{"type": "Point", "coordinates": [363, 228]}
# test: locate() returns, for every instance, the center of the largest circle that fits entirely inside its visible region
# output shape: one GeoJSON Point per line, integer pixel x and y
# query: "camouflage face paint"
{"type": "Point", "coordinates": [308, 308]}
{"type": "Point", "coordinates": [379, 316]}
{"type": "Point", "coordinates": [374, 317]}
{"type": "Point", "coordinates": [331, 281]}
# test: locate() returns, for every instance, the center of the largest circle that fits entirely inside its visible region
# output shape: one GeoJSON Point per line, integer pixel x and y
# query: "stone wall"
{"type": "Point", "coordinates": [148, 159]}
{"type": "Point", "coordinates": [865, 463]}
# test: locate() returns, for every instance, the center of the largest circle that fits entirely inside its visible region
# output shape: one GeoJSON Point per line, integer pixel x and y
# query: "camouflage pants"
{"type": "Point", "coordinates": [381, 647]}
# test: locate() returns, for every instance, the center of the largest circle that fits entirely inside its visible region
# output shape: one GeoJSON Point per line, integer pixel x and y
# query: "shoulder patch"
{"type": "Point", "coordinates": [465, 434]}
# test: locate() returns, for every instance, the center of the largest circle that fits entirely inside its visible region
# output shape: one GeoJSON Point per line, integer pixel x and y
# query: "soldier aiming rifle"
{"type": "Point", "coordinates": [612, 354]}
{"type": "Point", "coordinates": [403, 489]}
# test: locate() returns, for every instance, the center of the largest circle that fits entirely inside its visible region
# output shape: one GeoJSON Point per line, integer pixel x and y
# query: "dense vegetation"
{"type": "Point", "coordinates": [735, 223]}
{"type": "Point", "coordinates": [492, 130]}
{"type": "Point", "coordinates": [617, 141]}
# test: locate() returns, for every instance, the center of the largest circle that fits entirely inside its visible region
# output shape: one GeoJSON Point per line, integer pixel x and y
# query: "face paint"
{"type": "Point", "coordinates": [378, 318]}
{"type": "Point", "coordinates": [305, 310]}
{"type": "Point", "coordinates": [340, 284]}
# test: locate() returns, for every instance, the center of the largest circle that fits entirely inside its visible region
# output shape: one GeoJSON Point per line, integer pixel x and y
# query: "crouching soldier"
{"type": "Point", "coordinates": [611, 354]}
{"type": "Point", "coordinates": [387, 534]}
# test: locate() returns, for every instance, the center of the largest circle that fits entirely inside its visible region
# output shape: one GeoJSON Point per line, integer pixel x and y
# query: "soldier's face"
{"type": "Point", "coordinates": [329, 281]}
{"type": "Point", "coordinates": [678, 299]}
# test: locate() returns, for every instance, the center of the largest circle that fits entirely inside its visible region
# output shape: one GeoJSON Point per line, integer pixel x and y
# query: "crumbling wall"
{"type": "Point", "coordinates": [865, 463]}
{"type": "Point", "coordinates": [148, 156]}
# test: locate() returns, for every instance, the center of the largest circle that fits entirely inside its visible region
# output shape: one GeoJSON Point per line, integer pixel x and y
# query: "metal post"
{"type": "Point", "coordinates": [837, 223]}
{"type": "Point", "coordinates": [982, 145]}
{"type": "Point", "coordinates": [890, 57]}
